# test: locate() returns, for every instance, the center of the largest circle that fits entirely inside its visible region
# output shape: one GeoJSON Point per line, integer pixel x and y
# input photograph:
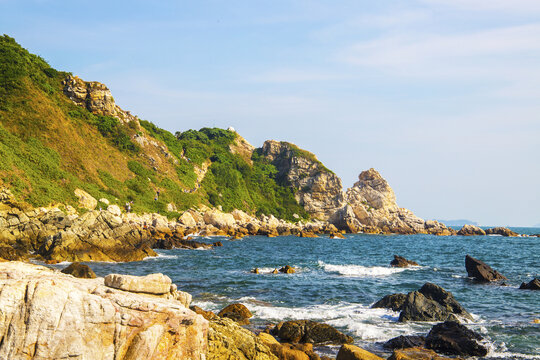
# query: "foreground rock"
{"type": "Point", "coordinates": [471, 230]}
{"type": "Point", "coordinates": [401, 262]}
{"type": "Point", "coordinates": [228, 341]}
{"type": "Point", "coordinates": [480, 271]}
{"type": "Point", "coordinates": [307, 331]}
{"type": "Point", "coordinates": [351, 352]}
{"type": "Point", "coordinates": [393, 301]}
{"type": "Point", "coordinates": [80, 271]}
{"type": "Point", "coordinates": [237, 312]}
{"type": "Point", "coordinates": [84, 319]}
{"type": "Point", "coordinates": [532, 285]}
{"type": "Point", "coordinates": [453, 338]}
{"type": "Point", "coordinates": [417, 353]}
{"type": "Point", "coordinates": [431, 303]}
{"type": "Point", "coordinates": [287, 351]}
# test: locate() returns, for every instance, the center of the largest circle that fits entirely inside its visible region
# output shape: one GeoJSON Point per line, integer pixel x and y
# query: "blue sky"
{"type": "Point", "coordinates": [441, 96]}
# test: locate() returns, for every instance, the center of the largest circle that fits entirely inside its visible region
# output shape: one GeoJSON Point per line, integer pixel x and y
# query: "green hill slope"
{"type": "Point", "coordinates": [59, 133]}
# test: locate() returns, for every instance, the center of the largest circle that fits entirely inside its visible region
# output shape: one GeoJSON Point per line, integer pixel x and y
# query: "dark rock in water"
{"type": "Point", "coordinates": [471, 230]}
{"type": "Point", "coordinates": [400, 261]}
{"type": "Point", "coordinates": [501, 231]}
{"type": "Point", "coordinates": [430, 303]}
{"type": "Point", "coordinates": [532, 285]}
{"type": "Point", "coordinates": [480, 271]}
{"type": "Point", "coordinates": [393, 301]}
{"type": "Point", "coordinates": [287, 269]}
{"type": "Point", "coordinates": [218, 243]}
{"type": "Point", "coordinates": [237, 312]}
{"type": "Point", "coordinates": [455, 339]}
{"type": "Point", "coordinates": [307, 331]}
{"type": "Point", "coordinates": [402, 342]}
{"type": "Point", "coordinates": [80, 271]}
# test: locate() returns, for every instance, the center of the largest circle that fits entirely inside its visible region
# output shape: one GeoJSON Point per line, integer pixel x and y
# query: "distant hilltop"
{"type": "Point", "coordinates": [457, 222]}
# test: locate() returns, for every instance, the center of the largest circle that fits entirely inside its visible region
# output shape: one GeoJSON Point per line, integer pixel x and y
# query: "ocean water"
{"type": "Point", "coordinates": [338, 279]}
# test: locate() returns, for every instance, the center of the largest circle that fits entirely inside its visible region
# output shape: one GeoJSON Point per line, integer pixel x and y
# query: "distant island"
{"type": "Point", "coordinates": [458, 222]}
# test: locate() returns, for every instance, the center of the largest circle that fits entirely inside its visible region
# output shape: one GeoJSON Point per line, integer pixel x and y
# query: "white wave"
{"type": "Point", "coordinates": [268, 270]}
{"type": "Point", "coordinates": [364, 271]}
{"type": "Point", "coordinates": [511, 355]}
{"type": "Point", "coordinates": [160, 257]}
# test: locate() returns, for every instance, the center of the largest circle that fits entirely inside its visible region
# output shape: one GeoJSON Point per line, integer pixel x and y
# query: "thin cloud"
{"type": "Point", "coordinates": [514, 6]}
{"type": "Point", "coordinates": [285, 76]}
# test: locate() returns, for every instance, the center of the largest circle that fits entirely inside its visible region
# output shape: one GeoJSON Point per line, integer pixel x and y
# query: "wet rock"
{"type": "Point", "coordinates": [402, 262]}
{"type": "Point", "coordinates": [501, 231]}
{"type": "Point", "coordinates": [255, 271]}
{"type": "Point", "coordinates": [275, 271]}
{"type": "Point", "coordinates": [237, 312]}
{"type": "Point", "coordinates": [336, 235]}
{"type": "Point", "coordinates": [417, 353]}
{"type": "Point", "coordinates": [287, 269]}
{"type": "Point", "coordinates": [471, 230]}
{"type": "Point", "coordinates": [393, 301]}
{"type": "Point", "coordinates": [80, 271]}
{"type": "Point", "coordinates": [217, 244]}
{"type": "Point", "coordinates": [480, 271]}
{"type": "Point", "coordinates": [402, 342]}
{"type": "Point", "coordinates": [455, 339]}
{"type": "Point", "coordinates": [351, 352]}
{"type": "Point", "coordinates": [307, 331]}
{"type": "Point", "coordinates": [532, 285]}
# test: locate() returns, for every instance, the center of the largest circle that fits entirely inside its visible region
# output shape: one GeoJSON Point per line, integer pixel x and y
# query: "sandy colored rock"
{"type": "Point", "coordinates": [157, 284]}
{"type": "Point", "coordinates": [79, 270]}
{"type": "Point", "coordinates": [351, 352]}
{"type": "Point", "coordinates": [237, 312]}
{"type": "Point", "coordinates": [417, 353]}
{"type": "Point", "coordinates": [471, 230]}
{"type": "Point", "coordinates": [218, 219]}
{"type": "Point", "coordinates": [187, 219]}
{"type": "Point", "coordinates": [85, 199]}
{"type": "Point", "coordinates": [51, 315]}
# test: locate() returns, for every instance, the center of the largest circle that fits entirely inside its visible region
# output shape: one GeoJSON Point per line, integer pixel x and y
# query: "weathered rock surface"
{"type": "Point", "coordinates": [455, 339]}
{"type": "Point", "coordinates": [50, 315]}
{"type": "Point", "coordinates": [417, 353]}
{"type": "Point", "coordinates": [471, 230]}
{"type": "Point", "coordinates": [351, 352]}
{"type": "Point", "coordinates": [403, 342]}
{"type": "Point", "coordinates": [400, 261]}
{"type": "Point", "coordinates": [85, 199]}
{"type": "Point", "coordinates": [79, 270]}
{"type": "Point", "coordinates": [393, 301]}
{"type": "Point", "coordinates": [501, 231]}
{"type": "Point", "coordinates": [431, 303]}
{"type": "Point", "coordinates": [307, 331]}
{"type": "Point", "coordinates": [480, 271]}
{"type": "Point", "coordinates": [228, 341]}
{"type": "Point", "coordinates": [157, 284]}
{"type": "Point", "coordinates": [208, 315]}
{"type": "Point", "coordinates": [237, 312]}
{"type": "Point", "coordinates": [532, 285]}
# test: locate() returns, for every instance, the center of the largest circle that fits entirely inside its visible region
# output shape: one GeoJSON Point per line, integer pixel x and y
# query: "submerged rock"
{"type": "Point", "coordinates": [455, 339]}
{"type": "Point", "coordinates": [393, 301]}
{"type": "Point", "coordinates": [80, 271]}
{"type": "Point", "coordinates": [480, 271]}
{"type": "Point", "coordinates": [532, 285]}
{"type": "Point", "coordinates": [401, 262]}
{"type": "Point", "coordinates": [307, 331]}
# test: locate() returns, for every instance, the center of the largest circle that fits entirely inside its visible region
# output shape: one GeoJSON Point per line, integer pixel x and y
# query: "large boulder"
{"type": "Point", "coordinates": [80, 271]}
{"type": "Point", "coordinates": [532, 285]}
{"type": "Point", "coordinates": [453, 338]}
{"type": "Point", "coordinates": [187, 219]}
{"type": "Point", "coordinates": [351, 352]}
{"type": "Point", "coordinates": [157, 284]}
{"type": "Point", "coordinates": [501, 231]}
{"type": "Point", "coordinates": [228, 341]}
{"type": "Point", "coordinates": [431, 303]}
{"type": "Point", "coordinates": [393, 301]}
{"type": "Point", "coordinates": [237, 312]}
{"type": "Point", "coordinates": [480, 271]}
{"type": "Point", "coordinates": [50, 315]}
{"type": "Point", "coordinates": [219, 220]}
{"type": "Point", "coordinates": [471, 230]}
{"type": "Point", "coordinates": [307, 331]}
{"type": "Point", "coordinates": [400, 261]}
{"type": "Point", "coordinates": [85, 199]}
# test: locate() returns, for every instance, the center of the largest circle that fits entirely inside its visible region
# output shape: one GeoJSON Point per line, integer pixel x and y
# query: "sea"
{"type": "Point", "coordinates": [337, 281]}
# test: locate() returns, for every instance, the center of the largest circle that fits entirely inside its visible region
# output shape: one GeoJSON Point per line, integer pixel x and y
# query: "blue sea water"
{"type": "Point", "coordinates": [338, 279]}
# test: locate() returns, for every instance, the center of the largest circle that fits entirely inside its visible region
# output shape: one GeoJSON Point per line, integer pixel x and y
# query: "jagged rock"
{"type": "Point", "coordinates": [455, 339]}
{"type": "Point", "coordinates": [208, 315]}
{"type": "Point", "coordinates": [402, 342]}
{"type": "Point", "coordinates": [287, 269]}
{"type": "Point", "coordinates": [532, 285]}
{"type": "Point", "coordinates": [9, 253]}
{"type": "Point", "coordinates": [51, 315]}
{"type": "Point", "coordinates": [237, 312]}
{"type": "Point", "coordinates": [417, 353]}
{"type": "Point", "coordinates": [430, 303]}
{"type": "Point", "coordinates": [317, 189]}
{"type": "Point", "coordinates": [351, 352]}
{"type": "Point", "coordinates": [400, 261]}
{"type": "Point", "coordinates": [393, 301]}
{"type": "Point", "coordinates": [471, 230]}
{"type": "Point", "coordinates": [501, 231]}
{"type": "Point", "coordinates": [157, 284]}
{"type": "Point", "coordinates": [80, 271]}
{"type": "Point", "coordinates": [307, 331]}
{"type": "Point", "coordinates": [228, 341]}
{"type": "Point", "coordinates": [85, 199]}
{"type": "Point", "coordinates": [286, 351]}
{"type": "Point", "coordinates": [480, 271]}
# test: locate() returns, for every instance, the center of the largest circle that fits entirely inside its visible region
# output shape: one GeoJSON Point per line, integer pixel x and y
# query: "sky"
{"type": "Point", "coordinates": [440, 96]}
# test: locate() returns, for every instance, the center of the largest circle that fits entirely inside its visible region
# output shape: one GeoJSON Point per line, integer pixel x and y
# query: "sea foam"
{"type": "Point", "coordinates": [364, 271]}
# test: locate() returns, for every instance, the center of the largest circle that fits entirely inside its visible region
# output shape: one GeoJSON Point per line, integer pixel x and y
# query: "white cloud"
{"type": "Point", "coordinates": [512, 6]}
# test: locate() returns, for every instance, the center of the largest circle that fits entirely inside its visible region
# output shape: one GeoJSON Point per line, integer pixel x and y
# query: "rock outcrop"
{"type": "Point", "coordinates": [403, 342]}
{"type": "Point", "coordinates": [480, 271]}
{"type": "Point", "coordinates": [237, 312]}
{"type": "Point", "coordinates": [453, 338]}
{"type": "Point", "coordinates": [317, 189]}
{"type": "Point", "coordinates": [501, 231]}
{"type": "Point", "coordinates": [50, 315]}
{"type": "Point", "coordinates": [79, 270]}
{"type": "Point", "coordinates": [417, 353]}
{"type": "Point", "coordinates": [471, 230]}
{"type": "Point", "coordinates": [351, 352]}
{"type": "Point", "coordinates": [400, 261]}
{"type": "Point", "coordinates": [392, 301]}
{"type": "Point", "coordinates": [307, 331]}
{"type": "Point", "coordinates": [531, 285]}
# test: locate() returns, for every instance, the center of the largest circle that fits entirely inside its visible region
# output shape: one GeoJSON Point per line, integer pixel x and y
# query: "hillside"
{"type": "Point", "coordinates": [59, 133]}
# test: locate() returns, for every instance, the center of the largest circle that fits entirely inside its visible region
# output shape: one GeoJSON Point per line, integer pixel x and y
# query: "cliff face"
{"type": "Point", "coordinates": [316, 188]}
